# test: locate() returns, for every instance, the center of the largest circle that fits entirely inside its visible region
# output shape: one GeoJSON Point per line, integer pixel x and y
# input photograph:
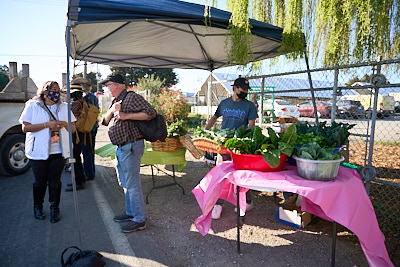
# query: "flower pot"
{"type": "Point", "coordinates": [255, 162]}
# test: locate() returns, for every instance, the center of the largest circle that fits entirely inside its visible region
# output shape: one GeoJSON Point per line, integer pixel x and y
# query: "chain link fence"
{"type": "Point", "coordinates": [365, 95]}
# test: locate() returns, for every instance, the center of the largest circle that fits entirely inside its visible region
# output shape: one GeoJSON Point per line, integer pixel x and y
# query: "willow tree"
{"type": "Point", "coordinates": [336, 31]}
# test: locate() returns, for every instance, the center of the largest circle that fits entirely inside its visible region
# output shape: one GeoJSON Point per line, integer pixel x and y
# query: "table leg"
{"type": "Point", "coordinates": [154, 186]}
{"type": "Point", "coordinates": [238, 219]}
{"type": "Point", "coordinates": [333, 244]}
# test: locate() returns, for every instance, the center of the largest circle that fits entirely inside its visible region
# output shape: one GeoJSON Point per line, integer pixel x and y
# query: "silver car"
{"type": "Point", "coordinates": [280, 108]}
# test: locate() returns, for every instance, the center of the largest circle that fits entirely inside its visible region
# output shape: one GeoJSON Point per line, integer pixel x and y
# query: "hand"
{"type": "Point", "coordinates": [121, 116]}
{"type": "Point", "coordinates": [56, 125]}
{"type": "Point", "coordinates": [116, 107]}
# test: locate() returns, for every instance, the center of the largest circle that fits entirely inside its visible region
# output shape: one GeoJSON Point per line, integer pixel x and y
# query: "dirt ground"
{"type": "Point", "coordinates": [264, 241]}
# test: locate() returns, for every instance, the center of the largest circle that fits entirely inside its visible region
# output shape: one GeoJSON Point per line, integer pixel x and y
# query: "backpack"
{"type": "Point", "coordinates": [152, 130]}
{"type": "Point", "coordinates": [87, 118]}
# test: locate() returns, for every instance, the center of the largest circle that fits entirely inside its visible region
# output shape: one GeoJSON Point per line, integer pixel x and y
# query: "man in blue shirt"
{"type": "Point", "coordinates": [235, 111]}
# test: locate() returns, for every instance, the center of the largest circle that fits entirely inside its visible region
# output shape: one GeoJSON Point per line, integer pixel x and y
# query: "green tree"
{"type": "Point", "coordinates": [132, 75]}
{"type": "Point", "coordinates": [4, 68]}
{"type": "Point", "coordinates": [151, 83]}
{"type": "Point", "coordinates": [92, 76]}
{"type": "Point", "coordinates": [3, 80]}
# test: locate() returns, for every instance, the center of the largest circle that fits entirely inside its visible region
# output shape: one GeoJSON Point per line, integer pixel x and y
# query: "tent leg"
{"type": "Point", "coordinates": [72, 160]}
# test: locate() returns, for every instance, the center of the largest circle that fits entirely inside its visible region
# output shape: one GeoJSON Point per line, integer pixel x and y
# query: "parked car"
{"type": "Point", "coordinates": [397, 107]}
{"type": "Point", "coordinates": [350, 109]}
{"type": "Point", "coordinates": [281, 108]}
{"type": "Point", "coordinates": [306, 109]}
{"type": "Point", "coordinates": [385, 107]}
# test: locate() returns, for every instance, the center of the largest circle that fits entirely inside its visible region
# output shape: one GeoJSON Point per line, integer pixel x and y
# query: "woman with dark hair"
{"type": "Point", "coordinates": [45, 122]}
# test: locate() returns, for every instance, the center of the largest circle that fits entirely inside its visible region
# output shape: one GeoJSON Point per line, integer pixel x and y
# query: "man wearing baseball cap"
{"type": "Point", "coordinates": [235, 111]}
{"type": "Point", "coordinates": [113, 77]}
{"type": "Point", "coordinates": [124, 109]}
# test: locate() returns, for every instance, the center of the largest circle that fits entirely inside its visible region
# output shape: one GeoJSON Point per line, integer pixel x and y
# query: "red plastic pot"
{"type": "Point", "coordinates": [255, 162]}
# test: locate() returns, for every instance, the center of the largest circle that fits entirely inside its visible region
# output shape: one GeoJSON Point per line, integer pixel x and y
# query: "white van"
{"type": "Point", "coordinates": [385, 106]}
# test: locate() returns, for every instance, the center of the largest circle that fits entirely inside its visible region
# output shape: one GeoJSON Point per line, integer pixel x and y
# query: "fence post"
{"type": "Point", "coordinates": [334, 95]}
{"type": "Point", "coordinates": [310, 81]}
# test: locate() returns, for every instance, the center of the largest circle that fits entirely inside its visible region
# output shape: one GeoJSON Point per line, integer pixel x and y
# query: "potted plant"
{"type": "Point", "coordinates": [175, 130]}
{"type": "Point", "coordinates": [251, 145]}
{"type": "Point", "coordinates": [318, 147]}
{"type": "Point", "coordinates": [212, 140]}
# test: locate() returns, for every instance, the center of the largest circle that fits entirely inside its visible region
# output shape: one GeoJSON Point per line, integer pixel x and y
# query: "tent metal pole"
{"type": "Point", "coordinates": [310, 81]}
{"type": "Point", "coordinates": [209, 96]}
{"type": "Point", "coordinates": [71, 157]}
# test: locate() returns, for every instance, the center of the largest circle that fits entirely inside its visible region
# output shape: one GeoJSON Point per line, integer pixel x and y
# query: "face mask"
{"type": "Point", "coordinates": [54, 96]}
{"type": "Point", "coordinates": [242, 95]}
{"type": "Point", "coordinates": [107, 92]}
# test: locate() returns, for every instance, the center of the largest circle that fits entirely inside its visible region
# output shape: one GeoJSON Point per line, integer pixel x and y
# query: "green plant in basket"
{"type": "Point", "coordinates": [176, 129]}
{"type": "Point", "coordinates": [219, 136]}
{"type": "Point", "coordinates": [253, 141]}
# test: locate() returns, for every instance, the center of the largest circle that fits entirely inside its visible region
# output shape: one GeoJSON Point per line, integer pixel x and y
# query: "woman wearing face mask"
{"type": "Point", "coordinates": [45, 122]}
{"type": "Point", "coordinates": [235, 111]}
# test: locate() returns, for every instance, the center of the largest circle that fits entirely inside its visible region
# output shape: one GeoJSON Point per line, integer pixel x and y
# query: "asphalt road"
{"type": "Point", "coordinates": [26, 241]}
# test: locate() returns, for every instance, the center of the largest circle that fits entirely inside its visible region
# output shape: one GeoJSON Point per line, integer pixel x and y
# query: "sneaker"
{"type": "Point", "coordinates": [249, 207]}
{"type": "Point", "coordinates": [123, 218]}
{"type": "Point", "coordinates": [133, 226]}
{"type": "Point", "coordinates": [216, 212]}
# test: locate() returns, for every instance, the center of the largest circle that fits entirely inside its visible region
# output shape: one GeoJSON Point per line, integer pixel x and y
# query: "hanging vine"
{"type": "Point", "coordinates": [239, 38]}
{"type": "Point", "coordinates": [337, 31]}
{"type": "Point", "coordinates": [292, 34]}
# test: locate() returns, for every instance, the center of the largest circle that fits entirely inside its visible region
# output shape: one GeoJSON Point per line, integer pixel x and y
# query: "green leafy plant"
{"type": "Point", "coordinates": [335, 135]}
{"type": "Point", "coordinates": [219, 136]}
{"type": "Point", "coordinates": [253, 141]}
{"type": "Point", "coordinates": [176, 129]}
{"type": "Point", "coordinates": [321, 142]}
{"type": "Point", "coordinates": [314, 151]}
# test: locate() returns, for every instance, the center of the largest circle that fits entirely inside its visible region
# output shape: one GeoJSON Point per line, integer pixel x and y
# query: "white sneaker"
{"type": "Point", "coordinates": [216, 212]}
{"type": "Point", "coordinates": [249, 207]}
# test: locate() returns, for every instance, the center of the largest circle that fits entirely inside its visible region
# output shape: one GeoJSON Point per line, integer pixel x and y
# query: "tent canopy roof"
{"type": "Point", "coordinates": [158, 34]}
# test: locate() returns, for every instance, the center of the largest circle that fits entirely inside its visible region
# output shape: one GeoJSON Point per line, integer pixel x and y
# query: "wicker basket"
{"type": "Point", "coordinates": [186, 141]}
{"type": "Point", "coordinates": [208, 145]}
{"type": "Point", "coordinates": [170, 144]}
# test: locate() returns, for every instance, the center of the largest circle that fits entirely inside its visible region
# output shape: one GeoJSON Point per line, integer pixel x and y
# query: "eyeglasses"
{"type": "Point", "coordinates": [108, 85]}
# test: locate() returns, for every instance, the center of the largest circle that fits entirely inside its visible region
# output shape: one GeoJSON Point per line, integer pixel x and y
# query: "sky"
{"type": "Point", "coordinates": [33, 32]}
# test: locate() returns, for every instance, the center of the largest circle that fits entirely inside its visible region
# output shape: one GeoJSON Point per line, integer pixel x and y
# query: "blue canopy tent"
{"type": "Point", "coordinates": [158, 34]}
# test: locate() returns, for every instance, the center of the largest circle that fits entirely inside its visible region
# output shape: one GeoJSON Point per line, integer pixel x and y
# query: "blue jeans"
{"type": "Point", "coordinates": [129, 157]}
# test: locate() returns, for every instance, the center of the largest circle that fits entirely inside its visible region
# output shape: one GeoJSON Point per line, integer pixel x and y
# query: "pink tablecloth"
{"type": "Point", "coordinates": [343, 200]}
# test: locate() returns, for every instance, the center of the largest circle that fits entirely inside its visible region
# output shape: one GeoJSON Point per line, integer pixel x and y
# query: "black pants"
{"type": "Point", "coordinates": [78, 167]}
{"type": "Point", "coordinates": [48, 173]}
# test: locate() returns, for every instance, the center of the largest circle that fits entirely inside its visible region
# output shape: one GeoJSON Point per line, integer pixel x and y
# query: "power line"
{"type": "Point", "coordinates": [14, 55]}
{"type": "Point", "coordinates": [44, 2]}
